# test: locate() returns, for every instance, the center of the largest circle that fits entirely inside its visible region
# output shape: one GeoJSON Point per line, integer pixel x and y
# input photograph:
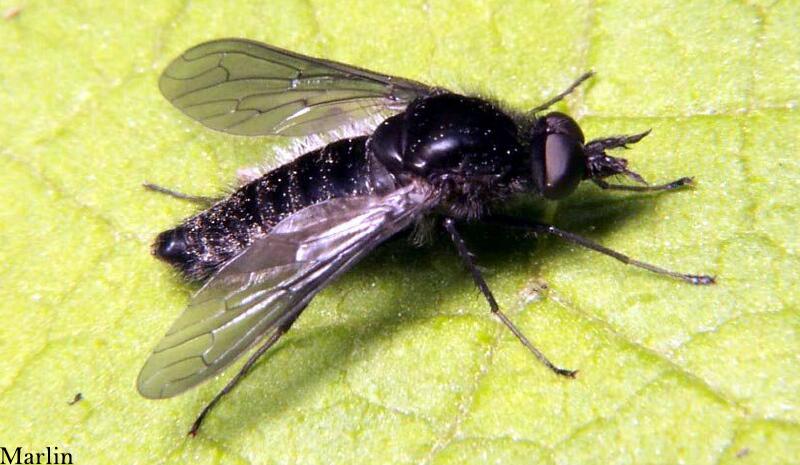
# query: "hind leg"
{"type": "Point", "coordinates": [271, 340]}
{"type": "Point", "coordinates": [205, 201]}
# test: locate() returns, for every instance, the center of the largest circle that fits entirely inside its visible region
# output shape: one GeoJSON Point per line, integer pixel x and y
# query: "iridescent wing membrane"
{"type": "Point", "coordinates": [249, 88]}
{"type": "Point", "coordinates": [272, 281]}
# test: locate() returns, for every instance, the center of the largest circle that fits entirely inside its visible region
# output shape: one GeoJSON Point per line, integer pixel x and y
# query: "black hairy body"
{"type": "Point", "coordinates": [204, 242]}
{"type": "Point", "coordinates": [466, 148]}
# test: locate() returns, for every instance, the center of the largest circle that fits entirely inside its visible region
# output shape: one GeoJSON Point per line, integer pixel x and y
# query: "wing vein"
{"type": "Point", "coordinates": [228, 71]}
{"type": "Point", "coordinates": [261, 112]}
{"type": "Point", "coordinates": [272, 280]}
{"type": "Point", "coordinates": [255, 57]}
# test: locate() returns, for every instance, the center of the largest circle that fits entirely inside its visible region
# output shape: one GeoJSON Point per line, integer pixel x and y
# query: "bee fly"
{"type": "Point", "coordinates": [263, 252]}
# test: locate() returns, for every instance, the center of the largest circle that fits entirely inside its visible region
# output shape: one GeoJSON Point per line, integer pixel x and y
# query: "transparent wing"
{"type": "Point", "coordinates": [249, 88]}
{"type": "Point", "coordinates": [269, 282]}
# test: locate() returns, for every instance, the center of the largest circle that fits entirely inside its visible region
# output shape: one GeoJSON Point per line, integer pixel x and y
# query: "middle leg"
{"type": "Point", "coordinates": [466, 257]}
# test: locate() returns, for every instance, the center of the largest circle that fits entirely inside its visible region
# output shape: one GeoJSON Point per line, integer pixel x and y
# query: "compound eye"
{"type": "Point", "coordinates": [559, 123]}
{"type": "Point", "coordinates": [564, 165]}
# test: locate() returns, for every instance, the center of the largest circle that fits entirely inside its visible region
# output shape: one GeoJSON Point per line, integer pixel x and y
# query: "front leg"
{"type": "Point", "coordinates": [466, 257]}
{"type": "Point", "coordinates": [542, 228]}
{"type": "Point", "coordinates": [601, 165]}
{"type": "Point", "coordinates": [677, 184]}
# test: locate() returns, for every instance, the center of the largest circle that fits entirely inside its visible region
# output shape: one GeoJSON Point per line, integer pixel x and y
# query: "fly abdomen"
{"type": "Point", "coordinates": [204, 242]}
{"type": "Point", "coordinates": [339, 169]}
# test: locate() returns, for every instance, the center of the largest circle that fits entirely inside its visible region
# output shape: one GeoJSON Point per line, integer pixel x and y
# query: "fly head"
{"type": "Point", "coordinates": [561, 158]}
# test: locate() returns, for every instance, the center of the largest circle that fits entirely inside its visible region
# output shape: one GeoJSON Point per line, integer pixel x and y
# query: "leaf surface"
{"type": "Point", "coordinates": [399, 361]}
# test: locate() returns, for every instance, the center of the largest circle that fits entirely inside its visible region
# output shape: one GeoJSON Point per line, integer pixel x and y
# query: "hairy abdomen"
{"type": "Point", "coordinates": [203, 243]}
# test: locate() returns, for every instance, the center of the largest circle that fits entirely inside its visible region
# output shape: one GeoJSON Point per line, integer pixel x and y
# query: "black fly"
{"type": "Point", "coordinates": [267, 249]}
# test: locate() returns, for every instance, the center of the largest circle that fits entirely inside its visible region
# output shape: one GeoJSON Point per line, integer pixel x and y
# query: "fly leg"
{"type": "Point", "coordinates": [466, 257]}
{"type": "Point", "coordinates": [677, 184]}
{"type": "Point", "coordinates": [202, 200]}
{"type": "Point", "coordinates": [542, 228]}
{"type": "Point", "coordinates": [563, 94]}
{"type": "Point", "coordinates": [273, 338]}
{"type": "Point", "coordinates": [602, 165]}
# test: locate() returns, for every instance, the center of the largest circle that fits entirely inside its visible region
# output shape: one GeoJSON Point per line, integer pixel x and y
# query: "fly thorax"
{"type": "Point", "coordinates": [385, 149]}
{"type": "Point", "coordinates": [447, 136]}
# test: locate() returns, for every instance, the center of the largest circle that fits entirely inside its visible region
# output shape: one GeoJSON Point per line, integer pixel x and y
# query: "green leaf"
{"type": "Point", "coordinates": [400, 361]}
